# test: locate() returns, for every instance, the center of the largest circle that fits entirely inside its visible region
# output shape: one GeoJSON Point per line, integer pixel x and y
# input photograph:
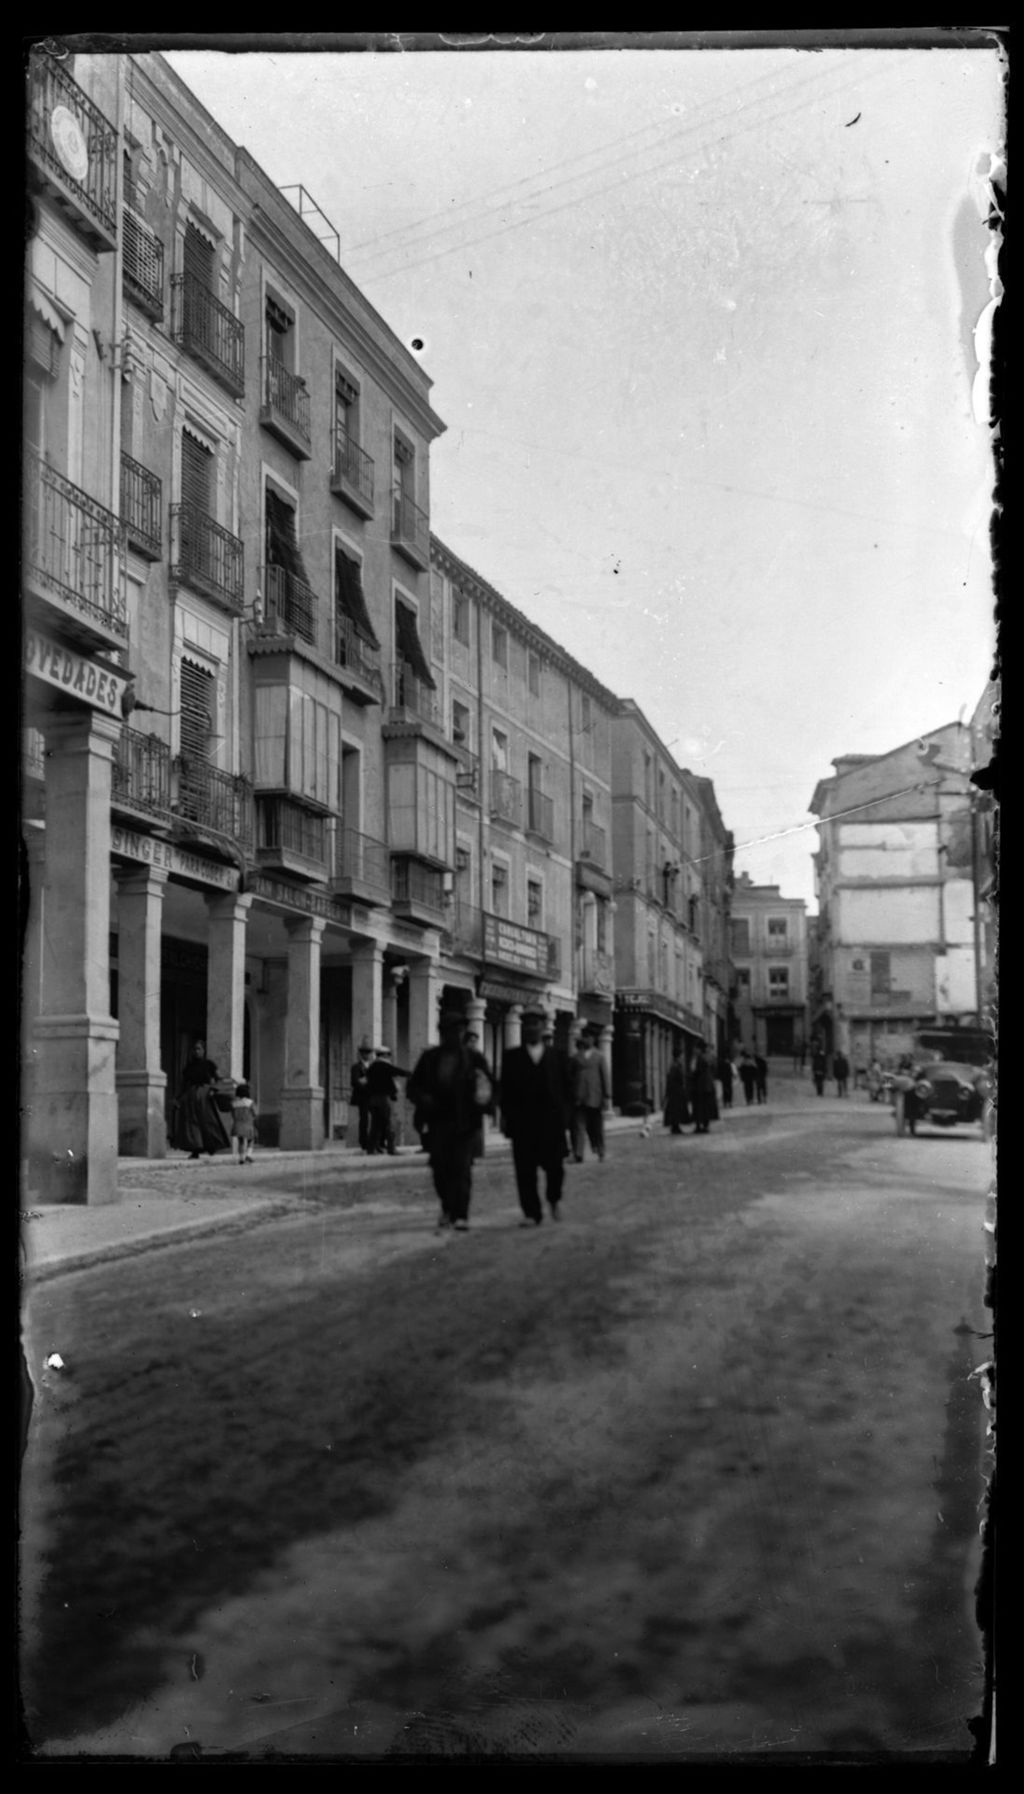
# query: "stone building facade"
{"type": "Point", "coordinates": [769, 952]}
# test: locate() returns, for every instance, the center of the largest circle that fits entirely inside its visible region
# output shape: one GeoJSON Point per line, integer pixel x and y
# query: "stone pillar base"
{"type": "Point", "coordinates": [302, 1120]}
{"type": "Point", "coordinates": [141, 1115]}
{"type": "Point", "coordinates": [72, 1119]}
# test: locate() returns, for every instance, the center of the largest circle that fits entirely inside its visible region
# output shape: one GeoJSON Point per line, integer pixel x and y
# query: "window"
{"type": "Point", "coordinates": [461, 723]}
{"type": "Point", "coordinates": [349, 598]}
{"type": "Point", "coordinates": [280, 334]}
{"type": "Point", "coordinates": [460, 617]}
{"type": "Point", "coordinates": [743, 978]}
{"type": "Point", "coordinates": [196, 473]}
{"type": "Point", "coordinates": [777, 928]}
{"type": "Point", "coordinates": [533, 673]}
{"type": "Point", "coordinates": [297, 745]}
{"type": "Point", "coordinates": [881, 975]}
{"type": "Point", "coordinates": [199, 258]}
{"type": "Point", "coordinates": [346, 411]}
{"type": "Point", "coordinates": [534, 902]}
{"type": "Point", "coordinates": [404, 464]}
{"type": "Point", "coordinates": [534, 770]}
{"type": "Point", "coordinates": [586, 713]}
{"type": "Point", "coordinates": [197, 697]}
{"type": "Point", "coordinates": [499, 646]}
{"type": "Point", "coordinates": [421, 811]}
{"type": "Point", "coordinates": [409, 648]}
{"type": "Point", "coordinates": [741, 935]}
{"type": "Point", "coordinates": [499, 888]}
{"type": "Point", "coordinates": [778, 981]}
{"type": "Point", "coordinates": [499, 751]}
{"type": "Point", "coordinates": [648, 781]}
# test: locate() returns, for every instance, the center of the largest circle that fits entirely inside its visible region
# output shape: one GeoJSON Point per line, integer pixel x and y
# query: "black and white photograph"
{"type": "Point", "coordinates": [511, 686]}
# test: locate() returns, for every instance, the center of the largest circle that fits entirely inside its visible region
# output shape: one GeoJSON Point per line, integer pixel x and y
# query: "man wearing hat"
{"type": "Point", "coordinates": [590, 1094]}
{"type": "Point", "coordinates": [536, 1110]}
{"type": "Point", "coordinates": [360, 1091]}
{"type": "Point", "coordinates": [381, 1092]}
{"type": "Point", "coordinates": [451, 1091]}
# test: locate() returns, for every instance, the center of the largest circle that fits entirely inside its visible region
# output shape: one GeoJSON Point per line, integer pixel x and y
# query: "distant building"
{"type": "Point", "coordinates": [769, 953]}
{"type": "Point", "coordinates": [901, 934]}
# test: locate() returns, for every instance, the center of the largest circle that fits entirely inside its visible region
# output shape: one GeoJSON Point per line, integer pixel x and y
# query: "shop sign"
{"type": "Point", "coordinates": [508, 993]}
{"type": "Point", "coordinates": [311, 903]}
{"type": "Point", "coordinates": [514, 945]}
{"type": "Point", "coordinates": [96, 685]}
{"type": "Point", "coordinates": [172, 859]}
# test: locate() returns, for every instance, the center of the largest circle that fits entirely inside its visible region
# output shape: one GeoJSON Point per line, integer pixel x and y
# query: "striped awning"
{"type": "Point", "coordinates": [50, 315]}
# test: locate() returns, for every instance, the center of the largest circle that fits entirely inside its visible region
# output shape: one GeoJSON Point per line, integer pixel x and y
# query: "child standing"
{"type": "Point", "coordinates": [243, 1123]}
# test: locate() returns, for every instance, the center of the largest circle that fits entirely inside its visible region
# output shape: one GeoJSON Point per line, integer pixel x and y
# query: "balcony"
{"type": "Point", "coordinates": [360, 663]}
{"type": "Point", "coordinates": [361, 868]}
{"type": "Point", "coordinates": [289, 606]}
{"type": "Point", "coordinates": [206, 799]}
{"type": "Point", "coordinates": [506, 798]}
{"type": "Point", "coordinates": [467, 775]}
{"type": "Point", "coordinates": [410, 530]}
{"type": "Point", "coordinates": [597, 973]}
{"type": "Point", "coordinates": [73, 149]}
{"type": "Point", "coordinates": [511, 944]}
{"type": "Point", "coordinates": [414, 700]}
{"type": "Point", "coordinates": [210, 333]}
{"type": "Point", "coordinates": [206, 557]}
{"type": "Point", "coordinates": [284, 409]}
{"type": "Point", "coordinates": [73, 557]}
{"type": "Point", "coordinates": [143, 265]}
{"type": "Point", "coordinates": [594, 845]}
{"type": "Point", "coordinates": [142, 509]}
{"type": "Point", "coordinates": [290, 838]}
{"type": "Point", "coordinates": [779, 944]}
{"type": "Point", "coordinates": [464, 931]}
{"type": "Point", "coordinates": [540, 814]}
{"type": "Point", "coordinates": [417, 891]}
{"type": "Point", "coordinates": [140, 783]}
{"type": "Point", "coordinates": [352, 475]}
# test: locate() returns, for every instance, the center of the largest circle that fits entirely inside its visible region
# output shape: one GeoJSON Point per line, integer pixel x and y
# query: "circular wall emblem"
{"type": "Point", "coordinates": [69, 142]}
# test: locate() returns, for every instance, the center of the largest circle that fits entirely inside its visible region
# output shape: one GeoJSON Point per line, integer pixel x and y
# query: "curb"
{"type": "Point", "coordinates": [178, 1234]}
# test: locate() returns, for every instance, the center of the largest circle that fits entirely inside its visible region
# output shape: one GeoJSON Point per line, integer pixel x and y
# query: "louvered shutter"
{"type": "Point", "coordinates": [196, 473]}
{"type": "Point", "coordinates": [198, 258]}
{"type": "Point", "coordinates": [197, 710]}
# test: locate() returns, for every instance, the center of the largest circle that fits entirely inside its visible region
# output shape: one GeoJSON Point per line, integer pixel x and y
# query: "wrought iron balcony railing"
{"type": "Point", "coordinates": [216, 800]}
{"type": "Point", "coordinates": [284, 826]}
{"type": "Point", "coordinates": [413, 695]}
{"type": "Point", "coordinates": [416, 884]}
{"type": "Point", "coordinates": [594, 844]}
{"type": "Point", "coordinates": [75, 147]}
{"type": "Point", "coordinates": [141, 773]}
{"type": "Point", "coordinates": [206, 556]}
{"type": "Point", "coordinates": [410, 527]}
{"type": "Point", "coordinates": [143, 264]}
{"type": "Point", "coordinates": [142, 508]}
{"type": "Point", "coordinates": [287, 396]}
{"type": "Point", "coordinates": [210, 332]}
{"type": "Point", "coordinates": [540, 814]}
{"type": "Point", "coordinates": [353, 468]}
{"type": "Point", "coordinates": [74, 548]}
{"type": "Point", "coordinates": [362, 860]}
{"type": "Point", "coordinates": [464, 930]}
{"type": "Point", "coordinates": [289, 602]}
{"type": "Point", "coordinates": [506, 797]}
{"type": "Point", "coordinates": [358, 655]}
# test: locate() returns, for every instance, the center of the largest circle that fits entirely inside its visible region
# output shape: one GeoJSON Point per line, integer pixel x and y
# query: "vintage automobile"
{"type": "Point", "coordinates": [944, 1093]}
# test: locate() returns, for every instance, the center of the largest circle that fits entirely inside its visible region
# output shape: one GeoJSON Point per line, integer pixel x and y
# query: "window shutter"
{"type": "Point", "coordinates": [199, 257]}
{"type": "Point", "coordinates": [196, 473]}
{"type": "Point", "coordinates": [282, 542]}
{"type": "Point", "coordinates": [410, 648]}
{"type": "Point", "coordinates": [350, 598]}
{"type": "Point", "coordinates": [197, 710]}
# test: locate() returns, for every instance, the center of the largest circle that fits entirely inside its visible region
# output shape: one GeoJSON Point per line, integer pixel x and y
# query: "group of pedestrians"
{"type": "Point", "coordinates": [691, 1094]}
{"type": "Point", "coordinates": [374, 1094]}
{"type": "Point", "coordinates": [819, 1070]}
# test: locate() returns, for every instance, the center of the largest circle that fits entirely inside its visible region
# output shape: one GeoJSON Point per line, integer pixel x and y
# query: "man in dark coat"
{"type": "Point", "coordinates": [381, 1092]}
{"type": "Point", "coordinates": [536, 1111]}
{"type": "Point", "coordinates": [819, 1066]}
{"type": "Point", "coordinates": [445, 1088]}
{"type": "Point", "coordinates": [725, 1079]}
{"type": "Point", "coordinates": [703, 1100]}
{"type": "Point", "coordinates": [761, 1077]}
{"type": "Point", "coordinates": [841, 1073]}
{"type": "Point", "coordinates": [748, 1076]}
{"type": "Point", "coordinates": [361, 1094]}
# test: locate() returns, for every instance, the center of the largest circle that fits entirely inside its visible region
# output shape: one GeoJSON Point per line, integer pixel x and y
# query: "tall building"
{"type": "Point", "coordinates": [901, 935]}
{"type": "Point", "coordinates": [717, 885]}
{"type": "Point", "coordinates": [657, 850]}
{"type": "Point", "coordinates": [531, 903]}
{"type": "Point", "coordinates": [769, 951]}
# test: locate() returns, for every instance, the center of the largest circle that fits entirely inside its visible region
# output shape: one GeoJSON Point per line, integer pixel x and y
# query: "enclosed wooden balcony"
{"type": "Point", "coordinates": [362, 868]}
{"type": "Point", "coordinates": [417, 890]}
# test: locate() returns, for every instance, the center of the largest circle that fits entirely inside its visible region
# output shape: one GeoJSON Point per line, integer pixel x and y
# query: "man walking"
{"type": "Point", "coordinates": [761, 1077]}
{"type": "Point", "coordinates": [361, 1092]}
{"type": "Point", "coordinates": [451, 1091]}
{"type": "Point", "coordinates": [590, 1093]}
{"type": "Point", "coordinates": [725, 1079]}
{"type": "Point", "coordinates": [819, 1066]}
{"type": "Point", "coordinates": [381, 1093]}
{"type": "Point", "coordinates": [536, 1106]}
{"type": "Point", "coordinates": [841, 1073]}
{"type": "Point", "coordinates": [748, 1076]}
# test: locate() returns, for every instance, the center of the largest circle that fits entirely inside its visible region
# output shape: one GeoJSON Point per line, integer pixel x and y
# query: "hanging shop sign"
{"type": "Point", "coordinates": [74, 673]}
{"type": "Point", "coordinates": [294, 897]}
{"type": "Point", "coordinates": [146, 851]}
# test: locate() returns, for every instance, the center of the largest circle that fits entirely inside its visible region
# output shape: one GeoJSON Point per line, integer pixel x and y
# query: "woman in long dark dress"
{"type": "Point", "coordinates": [703, 1097]}
{"type": "Point", "coordinates": [199, 1125]}
{"type": "Point", "coordinates": [676, 1108]}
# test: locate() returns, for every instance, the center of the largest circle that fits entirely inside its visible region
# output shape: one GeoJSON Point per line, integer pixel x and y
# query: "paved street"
{"type": "Point", "coordinates": [697, 1471]}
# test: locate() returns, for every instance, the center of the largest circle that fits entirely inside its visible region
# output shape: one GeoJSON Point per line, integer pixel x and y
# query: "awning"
{"type": "Point", "coordinates": [49, 313]}
{"type": "Point", "coordinates": [282, 543]}
{"type": "Point", "coordinates": [351, 600]}
{"type": "Point", "coordinates": [409, 646]}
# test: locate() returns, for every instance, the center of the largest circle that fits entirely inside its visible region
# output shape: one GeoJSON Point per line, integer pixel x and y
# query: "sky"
{"type": "Point", "coordinates": [704, 328]}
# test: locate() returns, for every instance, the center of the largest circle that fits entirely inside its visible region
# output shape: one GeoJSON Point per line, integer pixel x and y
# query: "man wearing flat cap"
{"type": "Point", "coordinates": [451, 1091]}
{"type": "Point", "coordinates": [536, 1110]}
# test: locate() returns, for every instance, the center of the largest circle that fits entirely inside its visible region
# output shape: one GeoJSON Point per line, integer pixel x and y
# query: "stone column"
{"type": "Point", "coordinates": [424, 997]}
{"type": "Point", "coordinates": [367, 995]}
{"type": "Point", "coordinates": [302, 1096]}
{"type": "Point", "coordinates": [72, 1127]}
{"type": "Point", "coordinates": [141, 1082]}
{"type": "Point", "coordinates": [476, 1011]}
{"type": "Point", "coordinates": [513, 1026]}
{"type": "Point", "coordinates": [225, 981]}
{"type": "Point", "coordinates": [607, 1036]}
